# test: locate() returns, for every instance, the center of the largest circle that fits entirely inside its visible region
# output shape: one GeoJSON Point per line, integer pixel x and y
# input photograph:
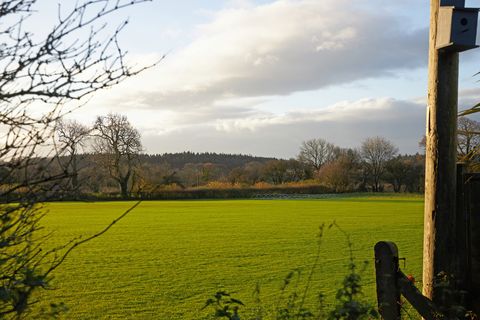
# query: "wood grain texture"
{"type": "Point", "coordinates": [440, 172]}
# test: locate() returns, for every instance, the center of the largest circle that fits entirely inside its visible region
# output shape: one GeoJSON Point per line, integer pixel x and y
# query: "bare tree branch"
{"type": "Point", "coordinates": [75, 58]}
{"type": "Point", "coordinates": [117, 146]}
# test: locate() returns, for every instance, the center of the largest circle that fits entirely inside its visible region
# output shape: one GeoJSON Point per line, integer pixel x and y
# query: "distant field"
{"type": "Point", "coordinates": [166, 258]}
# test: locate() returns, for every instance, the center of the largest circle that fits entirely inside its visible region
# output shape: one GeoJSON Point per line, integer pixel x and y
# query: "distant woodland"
{"type": "Point", "coordinates": [107, 162]}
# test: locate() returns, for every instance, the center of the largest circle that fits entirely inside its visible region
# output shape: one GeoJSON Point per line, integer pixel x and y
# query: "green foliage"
{"type": "Point", "coordinates": [225, 306]}
{"type": "Point", "coordinates": [349, 298]}
{"type": "Point", "coordinates": [20, 258]}
{"type": "Point", "coordinates": [53, 311]}
{"type": "Point", "coordinates": [291, 305]}
{"type": "Point", "coordinates": [451, 301]}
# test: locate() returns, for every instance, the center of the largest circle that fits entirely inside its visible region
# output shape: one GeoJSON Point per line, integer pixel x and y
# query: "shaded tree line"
{"type": "Point", "coordinates": [178, 160]}
{"type": "Point", "coordinates": [374, 166]}
{"type": "Point", "coordinates": [112, 164]}
{"type": "Point", "coordinates": [107, 159]}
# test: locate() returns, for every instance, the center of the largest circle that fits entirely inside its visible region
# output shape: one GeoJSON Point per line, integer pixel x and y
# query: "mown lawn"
{"type": "Point", "coordinates": [166, 258]}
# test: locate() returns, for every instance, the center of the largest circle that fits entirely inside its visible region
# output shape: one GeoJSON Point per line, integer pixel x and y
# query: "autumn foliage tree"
{"type": "Point", "coordinates": [342, 173]}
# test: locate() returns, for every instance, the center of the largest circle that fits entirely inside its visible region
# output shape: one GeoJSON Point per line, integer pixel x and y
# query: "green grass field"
{"type": "Point", "coordinates": [166, 258]}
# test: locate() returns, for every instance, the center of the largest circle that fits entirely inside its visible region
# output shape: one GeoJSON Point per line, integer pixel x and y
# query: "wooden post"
{"type": "Point", "coordinates": [391, 282]}
{"type": "Point", "coordinates": [472, 204]}
{"type": "Point", "coordinates": [386, 269]}
{"type": "Point", "coordinates": [424, 306]}
{"type": "Point", "coordinates": [440, 174]}
{"type": "Point", "coordinates": [463, 230]}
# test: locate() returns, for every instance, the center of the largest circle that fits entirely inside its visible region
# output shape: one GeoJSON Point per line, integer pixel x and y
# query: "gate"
{"type": "Point", "coordinates": [464, 291]}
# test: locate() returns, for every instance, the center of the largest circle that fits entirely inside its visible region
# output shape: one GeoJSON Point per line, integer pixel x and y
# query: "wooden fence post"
{"type": "Point", "coordinates": [463, 230]}
{"type": "Point", "coordinates": [472, 204]}
{"type": "Point", "coordinates": [386, 269]}
{"type": "Point", "coordinates": [391, 283]}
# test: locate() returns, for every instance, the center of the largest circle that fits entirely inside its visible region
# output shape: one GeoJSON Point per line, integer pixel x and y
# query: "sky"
{"type": "Point", "coordinates": [260, 77]}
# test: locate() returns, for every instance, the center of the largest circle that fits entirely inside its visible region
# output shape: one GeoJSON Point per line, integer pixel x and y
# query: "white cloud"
{"type": "Point", "coordinates": [347, 112]}
{"type": "Point", "coordinates": [278, 49]}
{"type": "Point", "coordinates": [210, 92]}
{"type": "Point", "coordinates": [345, 124]}
{"type": "Point", "coordinates": [468, 98]}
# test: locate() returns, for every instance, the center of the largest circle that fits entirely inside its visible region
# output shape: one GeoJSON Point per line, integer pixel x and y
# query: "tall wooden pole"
{"type": "Point", "coordinates": [439, 247]}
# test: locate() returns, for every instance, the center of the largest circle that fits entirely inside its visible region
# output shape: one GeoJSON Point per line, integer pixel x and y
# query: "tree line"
{"type": "Point", "coordinates": [107, 159]}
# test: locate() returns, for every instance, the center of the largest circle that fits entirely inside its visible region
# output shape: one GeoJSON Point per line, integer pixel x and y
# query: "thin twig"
{"type": "Point", "coordinates": [78, 243]}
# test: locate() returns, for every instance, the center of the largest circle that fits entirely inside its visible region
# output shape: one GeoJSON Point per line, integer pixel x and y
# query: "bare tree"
{"type": "Point", "coordinates": [72, 137]}
{"type": "Point", "coordinates": [317, 152]}
{"type": "Point", "coordinates": [468, 142]}
{"type": "Point", "coordinates": [376, 152]}
{"type": "Point", "coordinates": [43, 72]}
{"type": "Point", "coordinates": [118, 145]}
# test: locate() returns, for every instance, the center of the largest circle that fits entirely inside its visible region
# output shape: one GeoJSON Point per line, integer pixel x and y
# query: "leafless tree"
{"type": "Point", "coordinates": [117, 145]}
{"type": "Point", "coordinates": [468, 136]}
{"type": "Point", "coordinates": [72, 137]}
{"type": "Point", "coordinates": [39, 74]}
{"type": "Point", "coordinates": [317, 152]}
{"type": "Point", "coordinates": [376, 152]}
